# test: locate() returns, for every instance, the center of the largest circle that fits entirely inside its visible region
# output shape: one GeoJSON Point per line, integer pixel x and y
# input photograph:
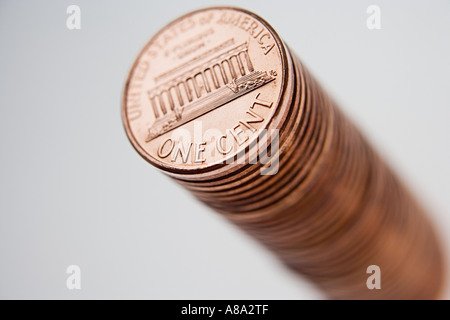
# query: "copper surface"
{"type": "Point", "coordinates": [198, 99]}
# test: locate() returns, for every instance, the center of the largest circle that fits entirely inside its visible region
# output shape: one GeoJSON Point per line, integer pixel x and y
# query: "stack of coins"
{"type": "Point", "coordinates": [218, 102]}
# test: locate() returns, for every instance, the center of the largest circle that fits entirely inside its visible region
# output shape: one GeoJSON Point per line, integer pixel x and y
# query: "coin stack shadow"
{"type": "Point", "coordinates": [333, 208]}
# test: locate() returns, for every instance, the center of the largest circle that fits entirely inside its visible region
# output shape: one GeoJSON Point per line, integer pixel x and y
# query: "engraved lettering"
{"type": "Point", "coordinates": [173, 32]}
{"type": "Point", "coordinates": [268, 48]}
{"type": "Point", "coordinates": [141, 70]}
{"type": "Point", "coordinates": [133, 106]}
{"type": "Point", "coordinates": [220, 145]}
{"type": "Point", "coordinates": [207, 86]}
{"type": "Point", "coordinates": [206, 18]}
{"type": "Point", "coordinates": [260, 31]}
{"type": "Point", "coordinates": [202, 69]}
{"type": "Point", "coordinates": [257, 119]}
{"type": "Point", "coordinates": [134, 97]}
{"type": "Point", "coordinates": [244, 23]}
{"type": "Point", "coordinates": [253, 26]}
{"type": "Point", "coordinates": [134, 114]}
{"type": "Point", "coordinates": [190, 50]}
{"type": "Point", "coordinates": [255, 30]}
{"type": "Point", "coordinates": [260, 102]}
{"type": "Point", "coordinates": [198, 152]}
{"type": "Point", "coordinates": [265, 35]}
{"type": "Point", "coordinates": [161, 152]}
{"type": "Point", "coordinates": [182, 150]}
{"type": "Point", "coordinates": [236, 134]}
{"type": "Point", "coordinates": [194, 60]}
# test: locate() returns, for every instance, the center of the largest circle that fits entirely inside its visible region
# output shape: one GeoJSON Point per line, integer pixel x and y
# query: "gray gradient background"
{"type": "Point", "coordinates": [73, 191]}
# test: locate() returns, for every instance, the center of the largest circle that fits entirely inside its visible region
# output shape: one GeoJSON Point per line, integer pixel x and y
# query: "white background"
{"type": "Point", "coordinates": [73, 191]}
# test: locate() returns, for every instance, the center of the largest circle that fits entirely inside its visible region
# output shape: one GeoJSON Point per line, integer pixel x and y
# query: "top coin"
{"type": "Point", "coordinates": [203, 89]}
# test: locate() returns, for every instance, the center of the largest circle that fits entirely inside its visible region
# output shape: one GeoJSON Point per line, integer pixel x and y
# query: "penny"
{"type": "Point", "coordinates": [180, 109]}
{"type": "Point", "coordinates": [219, 103]}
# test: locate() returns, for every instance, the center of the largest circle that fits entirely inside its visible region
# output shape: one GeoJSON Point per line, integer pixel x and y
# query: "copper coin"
{"type": "Point", "coordinates": [203, 94]}
{"type": "Point", "coordinates": [202, 88]}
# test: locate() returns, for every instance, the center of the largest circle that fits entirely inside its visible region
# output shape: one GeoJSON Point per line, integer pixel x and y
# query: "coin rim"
{"type": "Point", "coordinates": [125, 121]}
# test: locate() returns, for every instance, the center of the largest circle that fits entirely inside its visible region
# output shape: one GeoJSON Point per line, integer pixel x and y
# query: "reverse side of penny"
{"type": "Point", "coordinates": [202, 89]}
